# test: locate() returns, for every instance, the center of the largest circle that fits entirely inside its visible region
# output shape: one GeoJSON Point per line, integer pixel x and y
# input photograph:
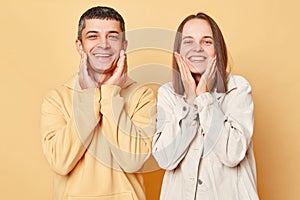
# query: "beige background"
{"type": "Point", "coordinates": [38, 53]}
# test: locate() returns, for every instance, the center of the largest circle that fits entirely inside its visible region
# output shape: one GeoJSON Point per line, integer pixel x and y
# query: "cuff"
{"type": "Point", "coordinates": [214, 130]}
{"type": "Point", "coordinates": [203, 100]}
{"type": "Point", "coordinates": [108, 91]}
{"type": "Point", "coordinates": [89, 95]}
{"type": "Point", "coordinates": [186, 111]}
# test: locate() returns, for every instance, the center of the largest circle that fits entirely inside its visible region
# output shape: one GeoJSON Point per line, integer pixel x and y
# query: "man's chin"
{"type": "Point", "coordinates": [103, 69]}
{"type": "Point", "coordinates": [101, 66]}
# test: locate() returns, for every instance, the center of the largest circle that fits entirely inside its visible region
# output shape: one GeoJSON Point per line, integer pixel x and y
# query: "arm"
{"type": "Point", "coordinates": [228, 134]}
{"type": "Point", "coordinates": [177, 125]}
{"type": "Point", "coordinates": [64, 137]}
{"type": "Point", "coordinates": [130, 131]}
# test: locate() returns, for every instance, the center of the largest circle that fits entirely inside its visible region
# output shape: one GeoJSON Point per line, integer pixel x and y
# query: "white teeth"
{"type": "Point", "coordinates": [197, 58]}
{"type": "Point", "coordinates": [101, 55]}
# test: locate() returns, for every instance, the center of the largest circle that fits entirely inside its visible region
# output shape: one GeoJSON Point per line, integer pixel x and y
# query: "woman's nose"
{"type": "Point", "coordinates": [198, 47]}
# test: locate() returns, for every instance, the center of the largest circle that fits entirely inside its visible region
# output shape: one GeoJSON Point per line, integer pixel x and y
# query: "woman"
{"type": "Point", "coordinates": [205, 120]}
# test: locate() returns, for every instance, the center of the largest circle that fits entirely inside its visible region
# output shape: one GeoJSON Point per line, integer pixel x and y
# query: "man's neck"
{"type": "Point", "coordinates": [99, 78]}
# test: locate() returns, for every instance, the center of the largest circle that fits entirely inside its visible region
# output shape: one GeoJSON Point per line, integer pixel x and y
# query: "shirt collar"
{"type": "Point", "coordinates": [231, 85]}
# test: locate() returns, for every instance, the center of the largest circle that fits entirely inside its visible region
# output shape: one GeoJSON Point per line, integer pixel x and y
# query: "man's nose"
{"type": "Point", "coordinates": [103, 43]}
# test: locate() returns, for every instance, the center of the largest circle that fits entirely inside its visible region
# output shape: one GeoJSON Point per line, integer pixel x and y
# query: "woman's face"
{"type": "Point", "coordinates": [197, 44]}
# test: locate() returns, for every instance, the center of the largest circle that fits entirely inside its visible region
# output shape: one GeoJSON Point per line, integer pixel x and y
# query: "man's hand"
{"type": "Point", "coordinates": [85, 80]}
{"type": "Point", "coordinates": [119, 74]}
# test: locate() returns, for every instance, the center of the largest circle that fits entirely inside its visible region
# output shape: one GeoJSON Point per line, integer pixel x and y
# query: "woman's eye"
{"type": "Point", "coordinates": [187, 41]}
{"type": "Point", "coordinates": [207, 42]}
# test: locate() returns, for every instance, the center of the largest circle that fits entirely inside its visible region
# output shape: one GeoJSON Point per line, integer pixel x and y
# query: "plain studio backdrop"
{"type": "Point", "coordinates": [38, 53]}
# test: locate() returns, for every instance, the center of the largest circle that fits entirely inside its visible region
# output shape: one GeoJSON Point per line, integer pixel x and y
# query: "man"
{"type": "Point", "coordinates": [97, 128]}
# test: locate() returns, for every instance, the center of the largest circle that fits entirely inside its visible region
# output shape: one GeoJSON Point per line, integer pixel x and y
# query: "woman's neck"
{"type": "Point", "coordinates": [197, 78]}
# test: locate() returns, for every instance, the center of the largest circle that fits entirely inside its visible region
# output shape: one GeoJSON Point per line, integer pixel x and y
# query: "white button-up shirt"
{"type": "Point", "coordinates": [206, 147]}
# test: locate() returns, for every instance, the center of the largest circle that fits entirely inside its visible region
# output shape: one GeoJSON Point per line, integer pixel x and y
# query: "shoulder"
{"type": "Point", "coordinates": [136, 90]}
{"type": "Point", "coordinates": [59, 94]}
{"type": "Point", "coordinates": [54, 99]}
{"type": "Point", "coordinates": [238, 79]}
{"type": "Point", "coordinates": [167, 88]}
{"type": "Point", "coordinates": [239, 89]}
{"type": "Point", "coordinates": [237, 82]}
{"type": "Point", "coordinates": [168, 97]}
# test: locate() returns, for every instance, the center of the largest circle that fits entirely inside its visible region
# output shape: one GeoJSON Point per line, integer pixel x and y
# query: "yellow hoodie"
{"type": "Point", "coordinates": [96, 140]}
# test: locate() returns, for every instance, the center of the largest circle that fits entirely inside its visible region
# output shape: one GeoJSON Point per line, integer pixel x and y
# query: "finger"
{"type": "Point", "coordinates": [208, 70]}
{"type": "Point", "coordinates": [125, 68]}
{"type": "Point", "coordinates": [84, 64]}
{"type": "Point", "coordinates": [180, 65]}
{"type": "Point", "coordinates": [83, 70]}
{"type": "Point", "coordinates": [213, 68]}
{"type": "Point", "coordinates": [187, 68]}
{"type": "Point", "coordinates": [121, 65]}
{"type": "Point", "coordinates": [123, 78]}
{"type": "Point", "coordinates": [184, 68]}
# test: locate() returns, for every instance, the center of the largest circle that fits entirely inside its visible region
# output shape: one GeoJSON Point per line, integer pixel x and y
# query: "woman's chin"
{"type": "Point", "coordinates": [197, 70]}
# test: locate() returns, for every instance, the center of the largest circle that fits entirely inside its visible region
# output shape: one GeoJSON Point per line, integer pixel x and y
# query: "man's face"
{"type": "Point", "coordinates": [102, 42]}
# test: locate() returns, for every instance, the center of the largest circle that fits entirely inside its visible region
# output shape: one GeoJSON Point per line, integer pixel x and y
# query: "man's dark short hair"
{"type": "Point", "coordinates": [100, 12]}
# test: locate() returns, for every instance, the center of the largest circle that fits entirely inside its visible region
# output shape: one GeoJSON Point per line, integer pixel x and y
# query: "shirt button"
{"type": "Point", "coordinates": [184, 108]}
{"type": "Point", "coordinates": [200, 182]}
{"type": "Point", "coordinates": [195, 106]}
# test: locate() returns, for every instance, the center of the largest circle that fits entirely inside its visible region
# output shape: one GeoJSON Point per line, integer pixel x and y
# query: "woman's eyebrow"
{"type": "Point", "coordinates": [187, 37]}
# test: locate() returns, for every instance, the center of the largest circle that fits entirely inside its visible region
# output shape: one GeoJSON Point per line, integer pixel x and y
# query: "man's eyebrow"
{"type": "Point", "coordinates": [91, 32]}
{"type": "Point", "coordinates": [109, 32]}
{"type": "Point", "coordinates": [117, 32]}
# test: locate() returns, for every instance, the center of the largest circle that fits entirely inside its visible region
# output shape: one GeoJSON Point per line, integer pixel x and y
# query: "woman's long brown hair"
{"type": "Point", "coordinates": [220, 49]}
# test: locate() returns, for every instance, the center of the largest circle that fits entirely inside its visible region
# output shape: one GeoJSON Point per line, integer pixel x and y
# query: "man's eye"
{"type": "Point", "coordinates": [92, 37]}
{"type": "Point", "coordinates": [113, 37]}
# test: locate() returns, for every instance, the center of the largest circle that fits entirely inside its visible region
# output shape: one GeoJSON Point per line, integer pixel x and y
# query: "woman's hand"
{"type": "Point", "coordinates": [207, 79]}
{"type": "Point", "coordinates": [188, 81]}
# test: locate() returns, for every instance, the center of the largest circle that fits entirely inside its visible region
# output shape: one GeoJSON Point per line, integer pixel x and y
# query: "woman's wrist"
{"type": "Point", "coordinates": [190, 98]}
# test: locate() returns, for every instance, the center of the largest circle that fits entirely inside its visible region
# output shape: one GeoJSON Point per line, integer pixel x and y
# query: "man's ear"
{"type": "Point", "coordinates": [124, 45]}
{"type": "Point", "coordinates": [79, 46]}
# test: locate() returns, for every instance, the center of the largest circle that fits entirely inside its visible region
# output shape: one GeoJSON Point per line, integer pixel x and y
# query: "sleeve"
{"type": "Point", "coordinates": [129, 131]}
{"type": "Point", "coordinates": [227, 133]}
{"type": "Point", "coordinates": [177, 125]}
{"type": "Point", "coordinates": [66, 134]}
